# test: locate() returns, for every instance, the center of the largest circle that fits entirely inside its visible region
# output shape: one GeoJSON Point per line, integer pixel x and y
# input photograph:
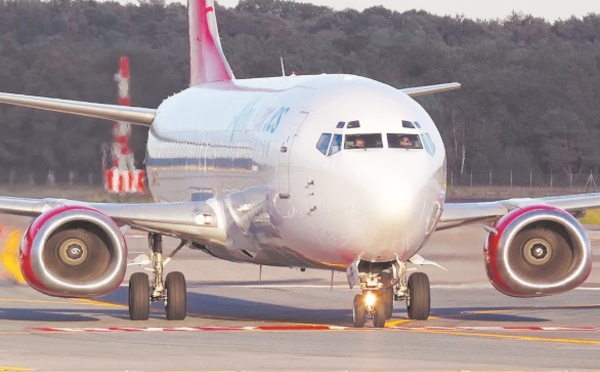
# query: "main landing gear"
{"type": "Point", "coordinates": [172, 290]}
{"type": "Point", "coordinates": [380, 290]}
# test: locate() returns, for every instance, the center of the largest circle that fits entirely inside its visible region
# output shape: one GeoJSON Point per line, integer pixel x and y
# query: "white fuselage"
{"type": "Point", "coordinates": [275, 155]}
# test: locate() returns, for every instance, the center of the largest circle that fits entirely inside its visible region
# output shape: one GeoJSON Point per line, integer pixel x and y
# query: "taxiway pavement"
{"type": "Point", "coordinates": [293, 320]}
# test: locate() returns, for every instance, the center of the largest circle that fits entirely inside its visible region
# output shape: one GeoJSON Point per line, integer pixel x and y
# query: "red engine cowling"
{"type": "Point", "coordinates": [537, 251]}
{"type": "Point", "coordinates": [73, 251]}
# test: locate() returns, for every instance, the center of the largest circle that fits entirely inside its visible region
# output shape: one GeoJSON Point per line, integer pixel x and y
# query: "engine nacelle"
{"type": "Point", "coordinates": [73, 251]}
{"type": "Point", "coordinates": [537, 251]}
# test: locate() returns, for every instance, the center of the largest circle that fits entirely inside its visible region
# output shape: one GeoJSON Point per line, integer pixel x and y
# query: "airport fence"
{"type": "Point", "coordinates": [495, 178]}
{"type": "Point", "coordinates": [509, 178]}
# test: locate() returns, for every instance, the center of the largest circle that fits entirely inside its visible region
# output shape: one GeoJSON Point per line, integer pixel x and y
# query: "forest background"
{"type": "Point", "coordinates": [529, 102]}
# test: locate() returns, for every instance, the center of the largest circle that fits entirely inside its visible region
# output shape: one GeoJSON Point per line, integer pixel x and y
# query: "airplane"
{"type": "Point", "coordinates": [335, 172]}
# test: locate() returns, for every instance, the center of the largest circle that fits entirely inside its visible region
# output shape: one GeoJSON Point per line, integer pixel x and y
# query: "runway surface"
{"type": "Point", "coordinates": [293, 320]}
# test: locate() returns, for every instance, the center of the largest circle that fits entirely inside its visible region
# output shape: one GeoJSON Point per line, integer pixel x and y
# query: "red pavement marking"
{"type": "Point", "coordinates": [307, 328]}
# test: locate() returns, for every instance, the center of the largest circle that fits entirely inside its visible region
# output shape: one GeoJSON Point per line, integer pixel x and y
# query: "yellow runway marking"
{"type": "Point", "coordinates": [394, 323]}
{"type": "Point", "coordinates": [510, 337]}
{"type": "Point", "coordinates": [63, 302]}
{"type": "Point", "coordinates": [7, 368]}
{"type": "Point", "coordinates": [500, 311]}
{"type": "Point", "coordinates": [99, 303]}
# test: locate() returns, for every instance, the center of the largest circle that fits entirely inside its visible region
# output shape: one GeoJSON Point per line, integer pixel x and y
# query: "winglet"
{"type": "Point", "coordinates": [207, 61]}
{"type": "Point", "coordinates": [430, 89]}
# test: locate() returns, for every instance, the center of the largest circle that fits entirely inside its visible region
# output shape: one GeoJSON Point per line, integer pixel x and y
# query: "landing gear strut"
{"type": "Point", "coordinates": [380, 290]}
{"type": "Point", "coordinates": [172, 290]}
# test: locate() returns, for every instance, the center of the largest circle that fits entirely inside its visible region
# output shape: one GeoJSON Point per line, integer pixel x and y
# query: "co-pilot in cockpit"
{"type": "Point", "coordinates": [404, 141]}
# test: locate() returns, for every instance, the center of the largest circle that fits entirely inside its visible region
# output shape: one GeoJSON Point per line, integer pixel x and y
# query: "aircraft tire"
{"type": "Point", "coordinates": [419, 296]}
{"type": "Point", "coordinates": [176, 296]}
{"type": "Point", "coordinates": [139, 297]}
{"type": "Point", "coordinates": [358, 311]}
{"type": "Point", "coordinates": [387, 294]}
{"type": "Point", "coordinates": [379, 315]}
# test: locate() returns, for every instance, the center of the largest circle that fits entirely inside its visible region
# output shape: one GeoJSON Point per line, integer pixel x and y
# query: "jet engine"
{"type": "Point", "coordinates": [537, 251]}
{"type": "Point", "coordinates": [73, 251]}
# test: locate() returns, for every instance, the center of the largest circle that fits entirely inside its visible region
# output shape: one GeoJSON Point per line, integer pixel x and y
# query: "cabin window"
{"type": "Point", "coordinates": [336, 144]}
{"type": "Point", "coordinates": [404, 141]}
{"type": "Point", "coordinates": [323, 143]}
{"type": "Point", "coordinates": [363, 141]}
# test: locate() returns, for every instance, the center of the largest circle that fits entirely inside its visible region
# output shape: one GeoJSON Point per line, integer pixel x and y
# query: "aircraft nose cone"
{"type": "Point", "coordinates": [390, 196]}
{"type": "Point", "coordinates": [393, 196]}
{"type": "Point", "coordinates": [390, 211]}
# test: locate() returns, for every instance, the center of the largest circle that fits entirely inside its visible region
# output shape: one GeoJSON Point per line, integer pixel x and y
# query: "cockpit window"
{"type": "Point", "coordinates": [407, 124]}
{"type": "Point", "coordinates": [429, 145]}
{"type": "Point", "coordinates": [336, 144]}
{"type": "Point", "coordinates": [323, 143]}
{"type": "Point", "coordinates": [404, 141]}
{"type": "Point", "coordinates": [363, 141]}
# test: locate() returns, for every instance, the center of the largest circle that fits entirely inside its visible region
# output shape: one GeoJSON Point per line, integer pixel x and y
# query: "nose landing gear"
{"type": "Point", "coordinates": [380, 290]}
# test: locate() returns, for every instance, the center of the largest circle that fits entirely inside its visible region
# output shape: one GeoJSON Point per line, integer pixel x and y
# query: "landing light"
{"type": "Point", "coordinates": [204, 219]}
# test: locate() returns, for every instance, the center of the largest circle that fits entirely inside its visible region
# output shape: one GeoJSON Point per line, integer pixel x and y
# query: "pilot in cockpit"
{"type": "Point", "coordinates": [405, 142]}
{"type": "Point", "coordinates": [359, 143]}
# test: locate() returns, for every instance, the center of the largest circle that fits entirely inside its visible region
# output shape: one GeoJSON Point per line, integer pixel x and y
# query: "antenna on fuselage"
{"type": "Point", "coordinates": [282, 66]}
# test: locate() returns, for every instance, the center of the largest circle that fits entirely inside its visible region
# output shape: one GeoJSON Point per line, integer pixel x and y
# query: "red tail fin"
{"type": "Point", "coordinates": [206, 56]}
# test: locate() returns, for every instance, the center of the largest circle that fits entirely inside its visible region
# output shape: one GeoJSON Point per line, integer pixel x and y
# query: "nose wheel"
{"type": "Point", "coordinates": [358, 311]}
{"type": "Point", "coordinates": [379, 315]}
{"type": "Point", "coordinates": [370, 304]}
{"type": "Point", "coordinates": [378, 297]}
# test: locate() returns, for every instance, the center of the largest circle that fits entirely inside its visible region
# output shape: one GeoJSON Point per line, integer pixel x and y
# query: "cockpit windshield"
{"type": "Point", "coordinates": [404, 141]}
{"type": "Point", "coordinates": [363, 141]}
{"type": "Point", "coordinates": [331, 143]}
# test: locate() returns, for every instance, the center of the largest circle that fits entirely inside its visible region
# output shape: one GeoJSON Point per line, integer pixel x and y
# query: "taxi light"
{"type": "Point", "coordinates": [204, 219]}
{"type": "Point", "coordinates": [370, 299]}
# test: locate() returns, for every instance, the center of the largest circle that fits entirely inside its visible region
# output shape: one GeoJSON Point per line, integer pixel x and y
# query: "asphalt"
{"type": "Point", "coordinates": [293, 320]}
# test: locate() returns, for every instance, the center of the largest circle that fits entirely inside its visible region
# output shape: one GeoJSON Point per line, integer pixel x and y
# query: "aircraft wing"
{"type": "Point", "coordinates": [456, 214]}
{"type": "Point", "coordinates": [200, 221]}
{"type": "Point", "coordinates": [134, 115]}
{"type": "Point", "coordinates": [430, 89]}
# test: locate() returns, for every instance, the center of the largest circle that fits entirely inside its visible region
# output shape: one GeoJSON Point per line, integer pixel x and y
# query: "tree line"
{"type": "Point", "coordinates": [529, 99]}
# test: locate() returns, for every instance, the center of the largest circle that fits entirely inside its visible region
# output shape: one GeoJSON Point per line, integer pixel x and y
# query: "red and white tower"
{"type": "Point", "coordinates": [121, 176]}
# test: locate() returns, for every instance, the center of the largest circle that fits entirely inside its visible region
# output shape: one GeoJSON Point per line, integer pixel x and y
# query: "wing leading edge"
{"type": "Point", "coordinates": [134, 115]}
{"type": "Point", "coordinates": [456, 214]}
{"type": "Point", "coordinates": [430, 89]}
